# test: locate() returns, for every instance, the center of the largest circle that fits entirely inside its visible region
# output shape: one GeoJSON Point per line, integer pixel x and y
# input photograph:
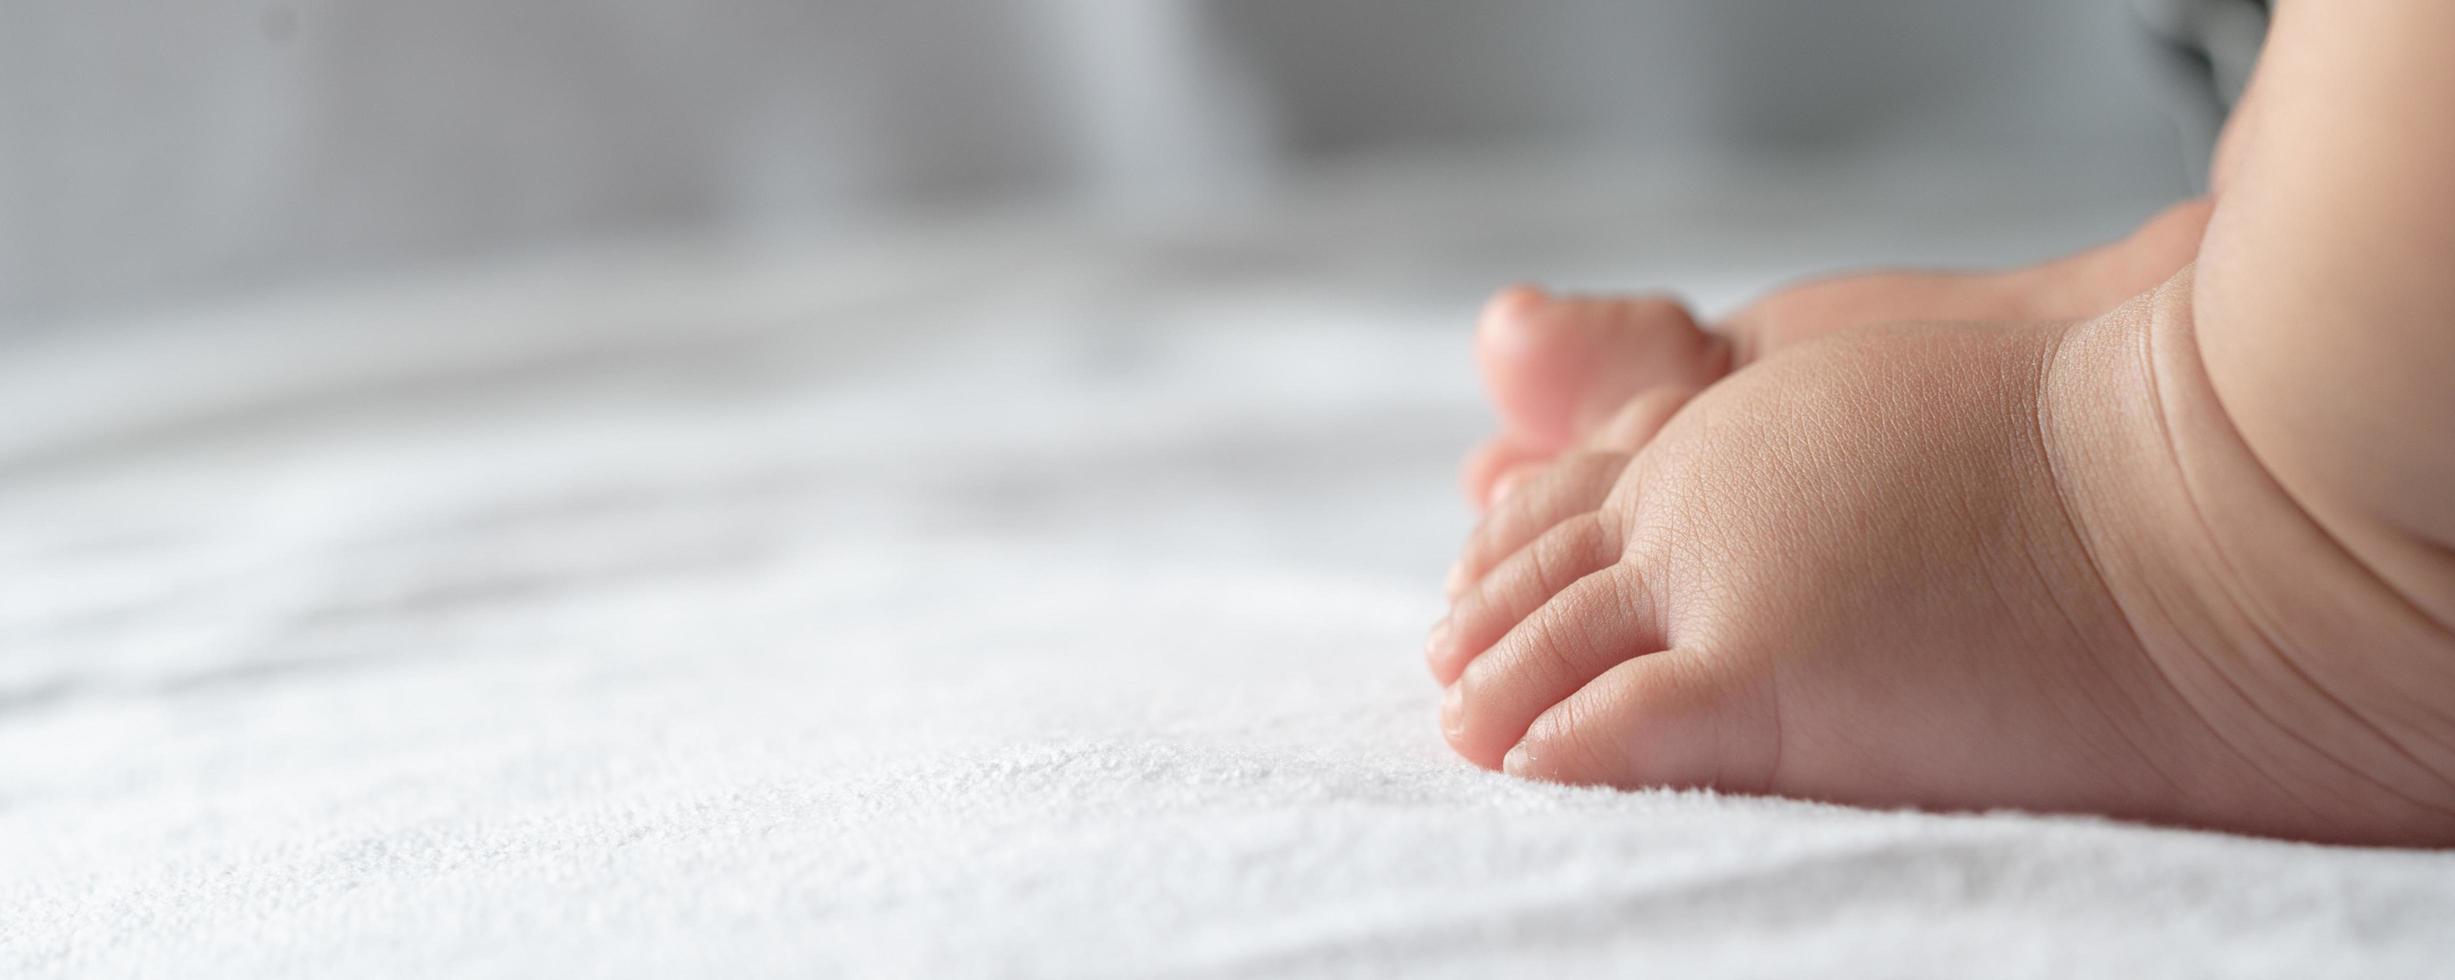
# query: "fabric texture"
{"type": "Point", "coordinates": [1019, 602]}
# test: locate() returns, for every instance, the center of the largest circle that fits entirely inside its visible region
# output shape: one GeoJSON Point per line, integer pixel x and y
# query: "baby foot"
{"type": "Point", "coordinates": [1562, 369]}
{"type": "Point", "coordinates": [1955, 567]}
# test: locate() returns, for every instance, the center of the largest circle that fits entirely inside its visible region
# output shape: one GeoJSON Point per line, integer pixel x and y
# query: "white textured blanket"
{"type": "Point", "coordinates": [1006, 603]}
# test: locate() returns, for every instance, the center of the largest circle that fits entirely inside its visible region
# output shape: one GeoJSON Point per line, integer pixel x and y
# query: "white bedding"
{"type": "Point", "coordinates": [1005, 600]}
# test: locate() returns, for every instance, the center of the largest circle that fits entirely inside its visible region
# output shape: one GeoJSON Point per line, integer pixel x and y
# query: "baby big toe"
{"type": "Point", "coordinates": [1674, 719]}
{"type": "Point", "coordinates": [1557, 366]}
{"type": "Point", "coordinates": [1595, 623]}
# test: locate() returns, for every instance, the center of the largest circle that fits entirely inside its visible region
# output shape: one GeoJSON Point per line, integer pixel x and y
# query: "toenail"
{"type": "Point", "coordinates": [1519, 760]}
{"type": "Point", "coordinates": [1438, 643]}
{"type": "Point", "coordinates": [1517, 297]}
{"type": "Point", "coordinates": [1456, 581]}
{"type": "Point", "coordinates": [1501, 487]}
{"type": "Point", "coordinates": [1453, 714]}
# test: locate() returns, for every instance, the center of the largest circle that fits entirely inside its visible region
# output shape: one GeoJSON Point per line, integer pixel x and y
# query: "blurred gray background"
{"type": "Point", "coordinates": [156, 154]}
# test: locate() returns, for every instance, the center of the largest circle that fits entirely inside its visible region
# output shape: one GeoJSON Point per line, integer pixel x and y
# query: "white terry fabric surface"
{"type": "Point", "coordinates": [1003, 604]}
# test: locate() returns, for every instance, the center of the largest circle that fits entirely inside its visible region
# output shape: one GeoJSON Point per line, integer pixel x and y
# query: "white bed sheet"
{"type": "Point", "coordinates": [1008, 601]}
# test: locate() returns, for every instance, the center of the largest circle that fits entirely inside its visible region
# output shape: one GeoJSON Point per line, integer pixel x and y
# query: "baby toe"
{"type": "Point", "coordinates": [1595, 623]}
{"type": "Point", "coordinates": [1677, 718]}
{"type": "Point", "coordinates": [1637, 421]}
{"type": "Point", "coordinates": [1574, 485]}
{"type": "Point", "coordinates": [1497, 464]}
{"type": "Point", "coordinates": [1558, 366]}
{"type": "Point", "coordinates": [1571, 550]}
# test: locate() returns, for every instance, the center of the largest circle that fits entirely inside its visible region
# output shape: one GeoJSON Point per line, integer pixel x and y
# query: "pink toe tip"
{"type": "Point", "coordinates": [1518, 294]}
{"type": "Point", "coordinates": [1502, 313]}
{"type": "Point", "coordinates": [1519, 762]}
{"type": "Point", "coordinates": [1501, 488]}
